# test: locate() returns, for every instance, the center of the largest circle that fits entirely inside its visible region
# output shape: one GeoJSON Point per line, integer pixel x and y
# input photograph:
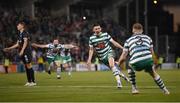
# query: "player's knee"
{"type": "Point", "coordinates": [111, 65]}
{"type": "Point", "coordinates": [156, 75]}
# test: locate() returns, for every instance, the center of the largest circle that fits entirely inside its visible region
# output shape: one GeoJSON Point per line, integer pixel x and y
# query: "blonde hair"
{"type": "Point", "coordinates": [137, 28]}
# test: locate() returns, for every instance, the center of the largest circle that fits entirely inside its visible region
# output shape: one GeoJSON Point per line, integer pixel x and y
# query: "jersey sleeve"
{"type": "Point", "coordinates": [90, 43]}
{"type": "Point", "coordinates": [109, 37]}
{"type": "Point", "coordinates": [61, 46]}
{"type": "Point", "coordinates": [151, 43]}
{"type": "Point", "coordinates": [126, 47]}
{"type": "Point", "coordinates": [49, 46]}
{"type": "Point", "coordinates": [25, 35]}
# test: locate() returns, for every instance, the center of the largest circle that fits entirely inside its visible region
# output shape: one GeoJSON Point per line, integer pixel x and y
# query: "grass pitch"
{"type": "Point", "coordinates": [87, 87]}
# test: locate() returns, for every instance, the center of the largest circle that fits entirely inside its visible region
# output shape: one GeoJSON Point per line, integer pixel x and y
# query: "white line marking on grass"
{"type": "Point", "coordinates": [81, 86]}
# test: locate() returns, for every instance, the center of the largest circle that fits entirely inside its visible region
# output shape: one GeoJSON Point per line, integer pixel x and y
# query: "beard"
{"type": "Point", "coordinates": [98, 33]}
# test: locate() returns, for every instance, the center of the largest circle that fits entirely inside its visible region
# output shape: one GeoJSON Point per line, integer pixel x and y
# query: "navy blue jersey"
{"type": "Point", "coordinates": [21, 37]}
{"type": "Point", "coordinates": [27, 55]}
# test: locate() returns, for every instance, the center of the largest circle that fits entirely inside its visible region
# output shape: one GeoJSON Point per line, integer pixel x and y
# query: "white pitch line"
{"type": "Point", "coordinates": [80, 86]}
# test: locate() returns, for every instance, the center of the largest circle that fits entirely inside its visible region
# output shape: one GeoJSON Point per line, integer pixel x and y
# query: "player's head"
{"type": "Point", "coordinates": [137, 28]}
{"type": "Point", "coordinates": [97, 28]}
{"type": "Point", "coordinates": [55, 41]}
{"type": "Point", "coordinates": [21, 25]}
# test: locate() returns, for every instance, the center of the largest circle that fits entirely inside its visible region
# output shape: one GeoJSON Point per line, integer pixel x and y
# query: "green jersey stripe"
{"type": "Point", "coordinates": [140, 59]}
{"type": "Point", "coordinates": [101, 44]}
{"type": "Point", "coordinates": [104, 50]}
{"type": "Point", "coordinates": [105, 55]}
{"type": "Point", "coordinates": [135, 46]}
{"type": "Point", "coordinates": [138, 47]}
{"type": "Point", "coordinates": [141, 55]}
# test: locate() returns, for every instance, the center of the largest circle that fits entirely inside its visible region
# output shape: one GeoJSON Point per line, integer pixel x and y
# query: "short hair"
{"type": "Point", "coordinates": [22, 23]}
{"type": "Point", "coordinates": [137, 26]}
{"type": "Point", "coordinates": [96, 24]}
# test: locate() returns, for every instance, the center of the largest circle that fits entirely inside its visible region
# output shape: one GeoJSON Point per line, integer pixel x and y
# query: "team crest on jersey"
{"type": "Point", "coordinates": [101, 45]}
{"type": "Point", "coordinates": [139, 40]}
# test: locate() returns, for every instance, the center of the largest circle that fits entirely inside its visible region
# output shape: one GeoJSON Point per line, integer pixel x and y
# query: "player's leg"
{"type": "Point", "coordinates": [69, 65]}
{"type": "Point", "coordinates": [6, 69]}
{"type": "Point", "coordinates": [132, 79]}
{"type": "Point", "coordinates": [65, 64]}
{"type": "Point", "coordinates": [58, 64]}
{"type": "Point", "coordinates": [29, 65]}
{"type": "Point", "coordinates": [30, 72]}
{"type": "Point", "coordinates": [121, 74]}
{"type": "Point", "coordinates": [51, 64]}
{"type": "Point", "coordinates": [28, 76]}
{"type": "Point", "coordinates": [115, 71]}
{"type": "Point", "coordinates": [69, 68]}
{"type": "Point", "coordinates": [158, 80]}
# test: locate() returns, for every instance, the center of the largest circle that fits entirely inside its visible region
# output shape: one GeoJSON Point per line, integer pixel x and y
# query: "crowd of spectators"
{"type": "Point", "coordinates": [45, 27]}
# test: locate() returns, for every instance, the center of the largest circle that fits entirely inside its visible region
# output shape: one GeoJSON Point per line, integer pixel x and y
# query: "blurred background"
{"type": "Point", "coordinates": [70, 21]}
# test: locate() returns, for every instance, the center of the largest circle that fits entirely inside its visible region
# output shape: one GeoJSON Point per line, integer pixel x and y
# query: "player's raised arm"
{"type": "Point", "coordinates": [39, 45]}
{"type": "Point", "coordinates": [116, 43]}
{"type": "Point", "coordinates": [12, 47]}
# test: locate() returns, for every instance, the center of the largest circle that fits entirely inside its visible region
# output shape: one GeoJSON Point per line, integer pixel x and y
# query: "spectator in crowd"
{"type": "Point", "coordinates": [160, 61]}
{"type": "Point", "coordinates": [6, 62]}
{"type": "Point", "coordinates": [46, 26]}
{"type": "Point", "coordinates": [40, 61]}
{"type": "Point", "coordinates": [178, 62]}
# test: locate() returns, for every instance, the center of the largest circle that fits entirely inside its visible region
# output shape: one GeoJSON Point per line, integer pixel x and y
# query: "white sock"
{"type": "Point", "coordinates": [116, 74]}
{"type": "Point", "coordinates": [58, 71]}
{"type": "Point", "coordinates": [50, 66]}
{"type": "Point", "coordinates": [70, 70]}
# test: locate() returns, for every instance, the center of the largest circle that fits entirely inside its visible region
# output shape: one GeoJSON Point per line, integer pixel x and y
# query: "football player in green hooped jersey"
{"type": "Point", "coordinates": [140, 49]}
{"type": "Point", "coordinates": [53, 54]}
{"type": "Point", "coordinates": [67, 60]}
{"type": "Point", "coordinates": [101, 43]}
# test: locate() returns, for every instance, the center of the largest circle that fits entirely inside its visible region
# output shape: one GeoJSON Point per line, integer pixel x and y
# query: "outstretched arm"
{"type": "Point", "coordinates": [39, 45]}
{"type": "Point", "coordinates": [69, 46]}
{"type": "Point", "coordinates": [12, 47]}
{"type": "Point", "coordinates": [91, 51]}
{"type": "Point", "coordinates": [116, 43]}
{"type": "Point", "coordinates": [123, 57]}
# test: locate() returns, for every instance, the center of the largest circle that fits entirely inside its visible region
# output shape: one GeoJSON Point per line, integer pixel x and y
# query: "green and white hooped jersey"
{"type": "Point", "coordinates": [63, 54]}
{"type": "Point", "coordinates": [66, 55]}
{"type": "Point", "coordinates": [51, 47]}
{"type": "Point", "coordinates": [138, 47]}
{"type": "Point", "coordinates": [101, 44]}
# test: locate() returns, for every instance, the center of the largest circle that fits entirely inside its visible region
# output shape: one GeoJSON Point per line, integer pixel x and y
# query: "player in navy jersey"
{"type": "Point", "coordinates": [25, 52]}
